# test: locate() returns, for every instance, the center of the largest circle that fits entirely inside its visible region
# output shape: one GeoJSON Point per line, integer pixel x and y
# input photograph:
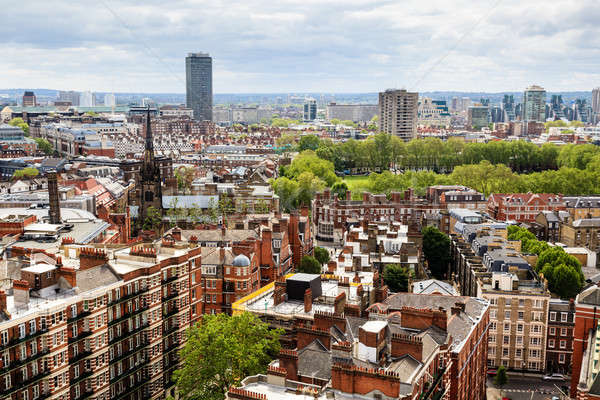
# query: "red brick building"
{"type": "Point", "coordinates": [523, 207]}
{"type": "Point", "coordinates": [559, 341]}
{"type": "Point", "coordinates": [332, 216]}
{"type": "Point", "coordinates": [410, 346]}
{"type": "Point", "coordinates": [586, 323]}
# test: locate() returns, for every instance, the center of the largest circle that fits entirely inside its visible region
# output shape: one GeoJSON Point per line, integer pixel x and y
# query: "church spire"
{"type": "Point", "coordinates": [149, 149]}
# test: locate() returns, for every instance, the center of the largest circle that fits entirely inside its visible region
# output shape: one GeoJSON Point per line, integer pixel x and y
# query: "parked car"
{"type": "Point", "coordinates": [492, 372]}
{"type": "Point", "coordinates": [554, 377]}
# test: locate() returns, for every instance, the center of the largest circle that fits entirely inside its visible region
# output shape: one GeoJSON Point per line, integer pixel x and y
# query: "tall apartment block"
{"type": "Point", "coordinates": [29, 99]}
{"type": "Point", "coordinates": [534, 104]}
{"type": "Point", "coordinates": [398, 113]}
{"type": "Point", "coordinates": [310, 110]}
{"type": "Point", "coordinates": [198, 79]}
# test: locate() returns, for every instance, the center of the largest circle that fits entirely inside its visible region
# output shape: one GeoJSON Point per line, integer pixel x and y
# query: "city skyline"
{"type": "Point", "coordinates": [364, 46]}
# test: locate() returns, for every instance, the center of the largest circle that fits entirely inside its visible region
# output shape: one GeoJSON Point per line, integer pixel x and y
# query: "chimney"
{"type": "Point", "coordinates": [176, 233]}
{"type": "Point", "coordinates": [21, 293]}
{"type": "Point", "coordinates": [54, 211]}
{"type": "Point", "coordinates": [348, 195]}
{"type": "Point", "coordinates": [3, 302]}
{"type": "Point", "coordinates": [331, 266]}
{"type": "Point", "coordinates": [307, 300]}
{"type": "Point", "coordinates": [69, 275]}
{"type": "Point", "coordinates": [91, 257]}
{"type": "Point", "coordinates": [222, 254]}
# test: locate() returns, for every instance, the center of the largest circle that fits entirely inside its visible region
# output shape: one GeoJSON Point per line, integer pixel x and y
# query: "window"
{"type": "Point", "coordinates": [209, 269]}
{"type": "Point", "coordinates": [535, 341]}
{"type": "Point", "coordinates": [519, 340]}
{"type": "Point", "coordinates": [551, 343]}
{"type": "Point", "coordinates": [521, 314]}
{"type": "Point", "coordinates": [4, 336]}
{"type": "Point", "coordinates": [506, 339]}
{"type": "Point", "coordinates": [563, 331]}
{"type": "Point", "coordinates": [35, 390]}
{"type": "Point", "coordinates": [563, 344]}
{"type": "Point", "coordinates": [518, 353]}
{"type": "Point", "coordinates": [493, 314]}
{"type": "Point", "coordinates": [21, 331]}
{"type": "Point", "coordinates": [73, 310]}
{"type": "Point", "coordinates": [552, 331]}
{"type": "Point", "coordinates": [32, 326]}
{"type": "Point", "coordinates": [276, 244]}
{"type": "Point", "coordinates": [492, 326]}
{"type": "Point", "coordinates": [504, 352]}
{"type": "Point", "coordinates": [521, 302]}
{"type": "Point", "coordinates": [519, 328]}
{"type": "Point", "coordinates": [506, 314]}
{"type": "Point", "coordinates": [563, 316]}
{"type": "Point", "coordinates": [561, 358]}
{"type": "Point", "coordinates": [552, 315]}
{"type": "Point", "coordinates": [507, 327]}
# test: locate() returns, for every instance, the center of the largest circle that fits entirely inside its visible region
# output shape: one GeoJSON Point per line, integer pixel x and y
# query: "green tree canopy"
{"type": "Point", "coordinates": [396, 277]}
{"type": "Point", "coordinates": [221, 351]}
{"type": "Point", "coordinates": [436, 248]}
{"type": "Point", "coordinates": [308, 142]}
{"type": "Point", "coordinates": [25, 173]}
{"type": "Point", "coordinates": [309, 265]}
{"type": "Point", "coordinates": [18, 122]}
{"type": "Point", "coordinates": [340, 189]}
{"type": "Point", "coordinates": [322, 255]}
{"type": "Point", "coordinates": [44, 145]}
{"type": "Point", "coordinates": [501, 378]}
{"type": "Point", "coordinates": [153, 219]}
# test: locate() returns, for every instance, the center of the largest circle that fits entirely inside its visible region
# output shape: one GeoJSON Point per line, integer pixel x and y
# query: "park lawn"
{"type": "Point", "coordinates": [357, 184]}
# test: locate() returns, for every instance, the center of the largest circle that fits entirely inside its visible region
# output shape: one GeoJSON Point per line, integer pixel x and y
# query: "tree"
{"type": "Point", "coordinates": [18, 122]}
{"type": "Point", "coordinates": [436, 248]}
{"type": "Point", "coordinates": [44, 145]}
{"type": "Point", "coordinates": [308, 142]}
{"type": "Point", "coordinates": [185, 176]}
{"type": "Point", "coordinates": [221, 351]}
{"type": "Point", "coordinates": [25, 173]}
{"type": "Point", "coordinates": [153, 219]}
{"type": "Point", "coordinates": [309, 265]}
{"type": "Point", "coordinates": [340, 189]}
{"type": "Point", "coordinates": [501, 378]}
{"type": "Point", "coordinates": [396, 277]}
{"type": "Point", "coordinates": [322, 255]}
{"type": "Point", "coordinates": [563, 272]}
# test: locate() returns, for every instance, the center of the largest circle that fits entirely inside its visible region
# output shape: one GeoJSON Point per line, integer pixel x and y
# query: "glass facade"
{"type": "Point", "coordinates": [199, 94]}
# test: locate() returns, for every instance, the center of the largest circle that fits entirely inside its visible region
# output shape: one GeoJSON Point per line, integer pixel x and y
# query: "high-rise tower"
{"type": "Point", "coordinates": [198, 85]}
{"type": "Point", "coordinates": [398, 113]}
{"type": "Point", "coordinates": [534, 104]}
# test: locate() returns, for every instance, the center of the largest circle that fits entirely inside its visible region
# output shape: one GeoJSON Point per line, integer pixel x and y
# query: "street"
{"type": "Point", "coordinates": [525, 388]}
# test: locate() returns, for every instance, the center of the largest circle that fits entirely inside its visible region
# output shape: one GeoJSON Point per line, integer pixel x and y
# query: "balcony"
{"type": "Point", "coordinates": [174, 293]}
{"type": "Point", "coordinates": [82, 335]}
{"type": "Point", "coordinates": [79, 316]}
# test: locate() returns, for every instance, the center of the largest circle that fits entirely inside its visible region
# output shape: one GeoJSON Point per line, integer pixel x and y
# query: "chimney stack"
{"type": "Point", "coordinates": [3, 306]}
{"type": "Point", "coordinates": [54, 211]}
{"type": "Point", "coordinates": [21, 293]}
{"type": "Point", "coordinates": [307, 300]}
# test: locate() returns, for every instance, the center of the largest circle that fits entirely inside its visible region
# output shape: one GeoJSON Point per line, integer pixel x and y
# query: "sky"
{"type": "Point", "coordinates": [327, 46]}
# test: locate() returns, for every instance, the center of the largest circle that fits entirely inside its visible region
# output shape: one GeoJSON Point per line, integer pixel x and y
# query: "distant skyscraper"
{"type": "Point", "coordinates": [556, 107]}
{"type": "Point", "coordinates": [310, 109]}
{"type": "Point", "coordinates": [398, 113]}
{"type": "Point", "coordinates": [87, 99]}
{"type": "Point", "coordinates": [508, 106]}
{"type": "Point", "coordinates": [478, 117]}
{"type": "Point", "coordinates": [148, 102]}
{"type": "Point", "coordinates": [582, 111]}
{"type": "Point", "coordinates": [29, 99]}
{"type": "Point", "coordinates": [596, 103]}
{"type": "Point", "coordinates": [534, 104]}
{"type": "Point", "coordinates": [198, 79]}
{"type": "Point", "coordinates": [109, 100]}
{"type": "Point", "coordinates": [70, 96]}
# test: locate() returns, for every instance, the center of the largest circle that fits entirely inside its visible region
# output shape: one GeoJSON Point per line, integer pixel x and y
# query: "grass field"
{"type": "Point", "coordinates": [356, 184]}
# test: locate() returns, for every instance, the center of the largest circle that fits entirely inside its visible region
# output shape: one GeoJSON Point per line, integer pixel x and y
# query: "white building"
{"type": "Point", "coordinates": [87, 99]}
{"type": "Point", "coordinates": [110, 100]}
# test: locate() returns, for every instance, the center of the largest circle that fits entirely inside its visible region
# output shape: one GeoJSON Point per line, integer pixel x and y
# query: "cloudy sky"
{"type": "Point", "coordinates": [302, 45]}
